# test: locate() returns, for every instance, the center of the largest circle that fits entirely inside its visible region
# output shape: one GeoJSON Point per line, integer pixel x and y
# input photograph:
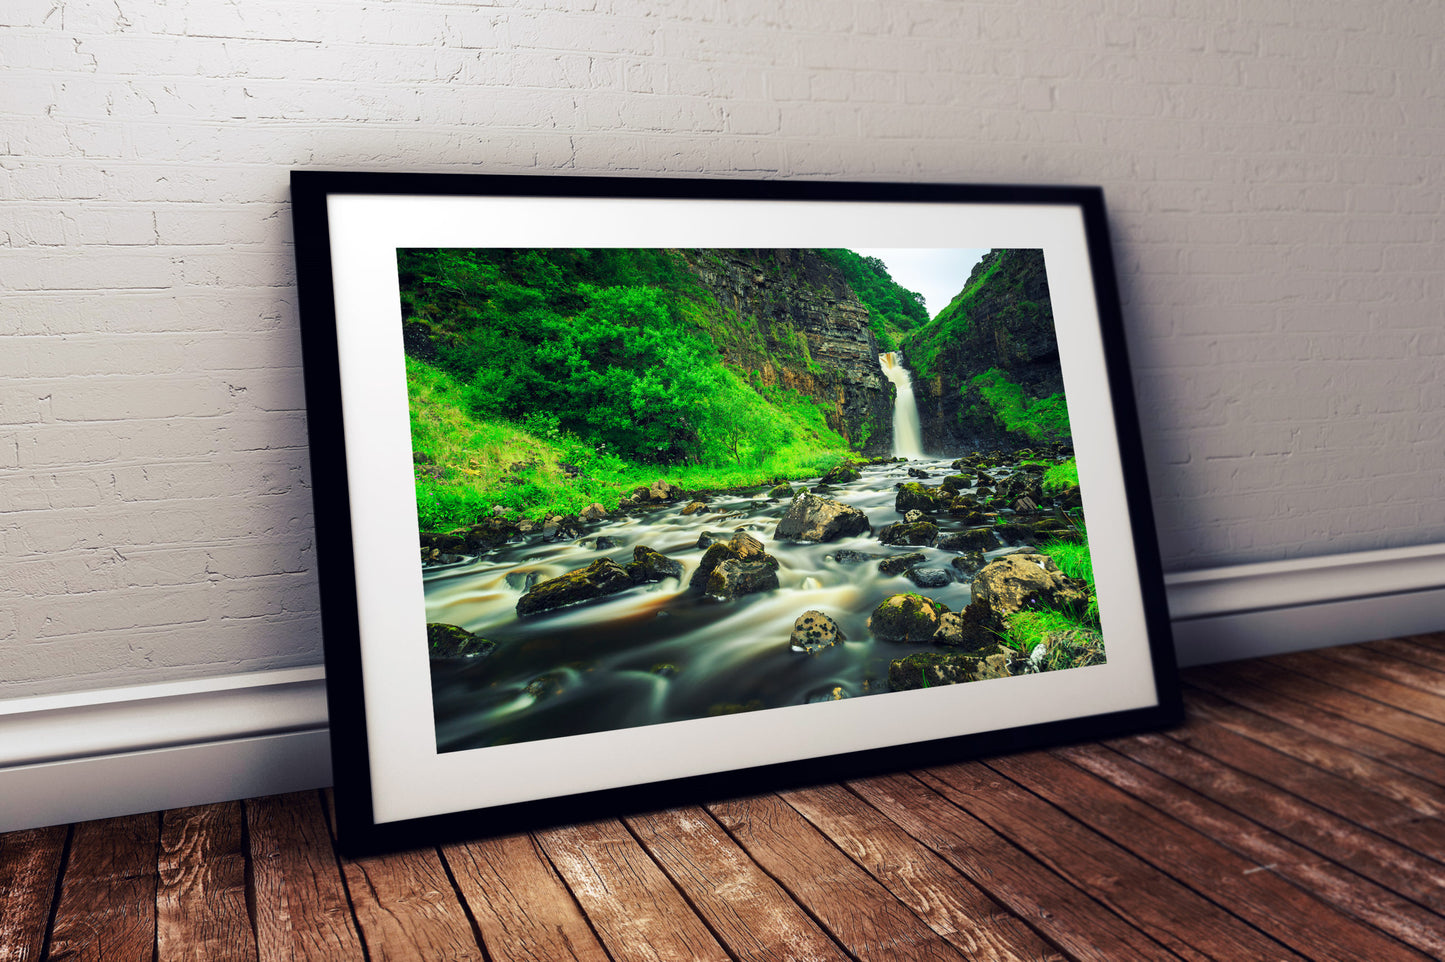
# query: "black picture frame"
{"type": "Point", "coordinates": [348, 226]}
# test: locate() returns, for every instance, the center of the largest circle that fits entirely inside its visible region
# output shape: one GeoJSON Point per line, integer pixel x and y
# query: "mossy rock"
{"type": "Point", "coordinates": [906, 617]}
{"type": "Point", "coordinates": [931, 669]}
{"type": "Point", "coordinates": [914, 496]}
{"type": "Point", "coordinates": [649, 565]}
{"type": "Point", "coordinates": [782, 491]}
{"type": "Point", "coordinates": [899, 563]}
{"type": "Point", "coordinates": [450, 641]}
{"type": "Point", "coordinates": [601, 578]}
{"type": "Point", "coordinates": [842, 474]}
{"type": "Point", "coordinates": [915, 534]}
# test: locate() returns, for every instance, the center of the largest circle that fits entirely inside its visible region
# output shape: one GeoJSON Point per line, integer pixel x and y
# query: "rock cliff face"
{"type": "Point", "coordinates": [1003, 319]}
{"type": "Point", "coordinates": [791, 316]}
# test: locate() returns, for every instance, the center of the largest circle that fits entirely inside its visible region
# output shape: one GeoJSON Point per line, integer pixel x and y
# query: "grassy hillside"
{"type": "Point", "coordinates": [546, 380]}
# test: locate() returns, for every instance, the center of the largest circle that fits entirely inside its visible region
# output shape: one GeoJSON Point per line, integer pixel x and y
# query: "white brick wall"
{"type": "Point", "coordinates": [1272, 170]}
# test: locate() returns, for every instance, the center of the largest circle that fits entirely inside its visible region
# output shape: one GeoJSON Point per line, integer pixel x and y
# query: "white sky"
{"type": "Point", "coordinates": [936, 273]}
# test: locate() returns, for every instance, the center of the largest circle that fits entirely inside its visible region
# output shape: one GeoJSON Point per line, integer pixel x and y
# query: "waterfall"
{"type": "Point", "coordinates": [907, 435]}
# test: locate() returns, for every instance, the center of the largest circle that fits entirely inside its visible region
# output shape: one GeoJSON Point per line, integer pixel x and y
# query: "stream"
{"type": "Point", "coordinates": [659, 652]}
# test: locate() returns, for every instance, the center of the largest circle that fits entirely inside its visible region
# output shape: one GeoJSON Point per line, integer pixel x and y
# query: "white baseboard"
{"type": "Point", "coordinates": [1248, 611]}
{"type": "Point", "coordinates": [85, 755]}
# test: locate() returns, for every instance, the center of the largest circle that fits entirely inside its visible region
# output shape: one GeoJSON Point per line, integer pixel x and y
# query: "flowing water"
{"type": "Point", "coordinates": [907, 433]}
{"type": "Point", "coordinates": [659, 652]}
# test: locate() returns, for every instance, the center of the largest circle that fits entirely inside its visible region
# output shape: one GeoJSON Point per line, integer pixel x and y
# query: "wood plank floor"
{"type": "Point", "coordinates": [1296, 815]}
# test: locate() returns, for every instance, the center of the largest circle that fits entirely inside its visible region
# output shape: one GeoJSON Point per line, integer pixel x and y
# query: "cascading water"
{"type": "Point", "coordinates": [907, 434]}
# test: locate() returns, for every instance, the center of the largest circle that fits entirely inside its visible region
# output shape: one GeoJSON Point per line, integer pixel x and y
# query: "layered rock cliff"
{"type": "Point", "coordinates": [791, 316]}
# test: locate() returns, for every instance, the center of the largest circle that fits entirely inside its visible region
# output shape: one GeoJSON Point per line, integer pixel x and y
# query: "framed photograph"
{"type": "Point", "coordinates": [631, 492]}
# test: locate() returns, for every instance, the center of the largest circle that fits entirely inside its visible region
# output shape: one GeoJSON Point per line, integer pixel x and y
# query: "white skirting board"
{"type": "Point", "coordinates": [84, 755]}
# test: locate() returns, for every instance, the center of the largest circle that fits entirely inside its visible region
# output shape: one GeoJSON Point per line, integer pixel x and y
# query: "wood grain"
{"type": "Point", "coordinates": [107, 907]}
{"type": "Point", "coordinates": [1188, 924]}
{"type": "Point", "coordinates": [1069, 917]}
{"type": "Point", "coordinates": [947, 901]}
{"type": "Point", "coordinates": [1410, 673]}
{"type": "Point", "coordinates": [1412, 650]}
{"type": "Point", "coordinates": [1423, 832]}
{"type": "Point", "coordinates": [1218, 874]}
{"type": "Point", "coordinates": [201, 910]}
{"type": "Point", "coordinates": [750, 914]}
{"type": "Point", "coordinates": [302, 913]}
{"type": "Point", "coordinates": [634, 908]}
{"type": "Point", "coordinates": [1337, 730]}
{"type": "Point", "coordinates": [1365, 772]}
{"type": "Point", "coordinates": [29, 868]}
{"type": "Point", "coordinates": [406, 908]}
{"type": "Point", "coordinates": [1392, 865]}
{"type": "Point", "coordinates": [1349, 705]}
{"type": "Point", "coordinates": [521, 907]}
{"type": "Point", "coordinates": [1270, 851]}
{"type": "Point", "coordinates": [859, 913]}
{"type": "Point", "coordinates": [1352, 677]}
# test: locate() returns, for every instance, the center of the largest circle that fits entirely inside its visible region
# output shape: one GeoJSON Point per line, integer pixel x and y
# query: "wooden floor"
{"type": "Point", "coordinates": [1297, 814]}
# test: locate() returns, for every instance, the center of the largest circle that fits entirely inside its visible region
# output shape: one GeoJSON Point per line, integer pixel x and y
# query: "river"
{"type": "Point", "coordinates": [659, 652]}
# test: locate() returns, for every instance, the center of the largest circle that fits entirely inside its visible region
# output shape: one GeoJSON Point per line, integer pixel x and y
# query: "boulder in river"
{"type": "Point", "coordinates": [648, 565]}
{"type": "Point", "coordinates": [902, 533]}
{"type": "Point", "coordinates": [915, 496]}
{"type": "Point", "coordinates": [599, 579]}
{"type": "Point", "coordinates": [906, 617]}
{"type": "Point", "coordinates": [930, 577]}
{"type": "Point", "coordinates": [814, 631]}
{"type": "Point", "coordinates": [451, 641]}
{"type": "Point", "coordinates": [899, 563]}
{"type": "Point", "coordinates": [814, 518]}
{"type": "Point", "coordinates": [736, 567]}
{"type": "Point", "coordinates": [781, 491]}
{"type": "Point", "coordinates": [695, 507]}
{"type": "Point", "coordinates": [982, 538]}
{"type": "Point", "coordinates": [841, 474]}
{"type": "Point", "coordinates": [1020, 581]}
{"type": "Point", "coordinates": [847, 556]}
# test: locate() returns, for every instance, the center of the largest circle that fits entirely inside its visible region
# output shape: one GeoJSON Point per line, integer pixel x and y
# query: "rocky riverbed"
{"type": "Point", "coordinates": [871, 579]}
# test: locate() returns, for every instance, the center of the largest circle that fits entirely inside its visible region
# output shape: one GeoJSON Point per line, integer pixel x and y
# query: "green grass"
{"type": "Point", "coordinates": [465, 464]}
{"type": "Point", "coordinates": [1074, 560]}
{"type": "Point", "coordinates": [1059, 478]}
{"type": "Point", "coordinates": [1070, 643]}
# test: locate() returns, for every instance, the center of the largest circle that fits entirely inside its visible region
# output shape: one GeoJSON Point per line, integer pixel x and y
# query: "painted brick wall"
{"type": "Point", "coordinates": [1272, 169]}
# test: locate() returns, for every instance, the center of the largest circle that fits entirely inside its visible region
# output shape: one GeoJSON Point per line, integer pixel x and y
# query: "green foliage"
{"type": "Point", "coordinates": [1071, 644]}
{"type": "Point", "coordinates": [1074, 560]}
{"type": "Point", "coordinates": [605, 361]}
{"type": "Point", "coordinates": [1060, 478]}
{"type": "Point", "coordinates": [892, 308]}
{"type": "Point", "coordinates": [1042, 420]}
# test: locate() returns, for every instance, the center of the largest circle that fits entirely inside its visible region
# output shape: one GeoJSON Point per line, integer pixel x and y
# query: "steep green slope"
{"type": "Point", "coordinates": [986, 369]}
